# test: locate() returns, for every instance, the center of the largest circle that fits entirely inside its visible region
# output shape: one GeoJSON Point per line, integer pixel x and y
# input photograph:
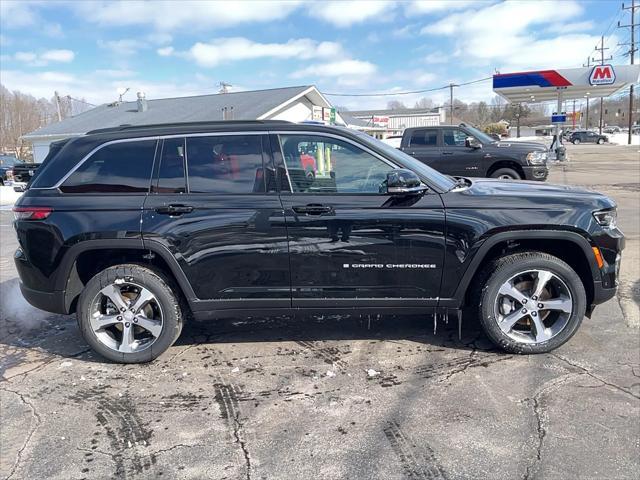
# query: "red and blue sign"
{"type": "Point", "coordinates": [542, 78]}
{"type": "Point", "coordinates": [602, 75]}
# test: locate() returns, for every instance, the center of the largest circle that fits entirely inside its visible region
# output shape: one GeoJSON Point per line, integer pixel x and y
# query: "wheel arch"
{"type": "Point", "coordinates": [555, 242]}
{"type": "Point", "coordinates": [512, 164]}
{"type": "Point", "coordinates": [87, 258]}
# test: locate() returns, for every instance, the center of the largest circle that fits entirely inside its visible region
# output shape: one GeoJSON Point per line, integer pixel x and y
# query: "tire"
{"type": "Point", "coordinates": [506, 174]}
{"type": "Point", "coordinates": [487, 296]}
{"type": "Point", "coordinates": [600, 141]}
{"type": "Point", "coordinates": [164, 317]}
{"type": "Point", "coordinates": [576, 141]}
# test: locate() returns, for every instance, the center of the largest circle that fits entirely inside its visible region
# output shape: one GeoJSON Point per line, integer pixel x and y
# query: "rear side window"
{"type": "Point", "coordinates": [171, 177]}
{"type": "Point", "coordinates": [424, 138]}
{"type": "Point", "coordinates": [117, 168]}
{"type": "Point", "coordinates": [225, 164]}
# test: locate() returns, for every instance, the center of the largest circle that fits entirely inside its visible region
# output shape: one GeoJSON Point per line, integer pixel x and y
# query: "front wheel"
{"type": "Point", "coordinates": [129, 314]}
{"type": "Point", "coordinates": [506, 174]}
{"type": "Point", "coordinates": [576, 141]}
{"type": "Point", "coordinates": [600, 141]}
{"type": "Point", "coordinates": [530, 302]}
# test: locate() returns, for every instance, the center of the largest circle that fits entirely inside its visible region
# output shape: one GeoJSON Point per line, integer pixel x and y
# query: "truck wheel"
{"type": "Point", "coordinates": [576, 141]}
{"type": "Point", "coordinates": [529, 302]}
{"type": "Point", "coordinates": [600, 141]}
{"type": "Point", "coordinates": [506, 174]}
{"type": "Point", "coordinates": [129, 314]}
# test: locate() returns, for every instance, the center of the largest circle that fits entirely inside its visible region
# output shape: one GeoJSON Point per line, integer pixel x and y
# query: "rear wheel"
{"type": "Point", "coordinates": [506, 174]}
{"type": "Point", "coordinates": [129, 314]}
{"type": "Point", "coordinates": [530, 302]}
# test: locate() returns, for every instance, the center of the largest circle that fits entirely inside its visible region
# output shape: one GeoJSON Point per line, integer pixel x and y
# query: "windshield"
{"type": "Point", "coordinates": [483, 137]}
{"type": "Point", "coordinates": [442, 182]}
{"type": "Point", "coordinates": [6, 161]}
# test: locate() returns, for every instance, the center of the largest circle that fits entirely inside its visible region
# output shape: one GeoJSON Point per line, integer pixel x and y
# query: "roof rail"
{"type": "Point", "coordinates": [127, 126]}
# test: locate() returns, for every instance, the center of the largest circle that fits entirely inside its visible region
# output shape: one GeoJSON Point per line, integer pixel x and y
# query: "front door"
{"type": "Point", "coordinates": [456, 157]}
{"type": "Point", "coordinates": [350, 243]}
{"type": "Point", "coordinates": [222, 221]}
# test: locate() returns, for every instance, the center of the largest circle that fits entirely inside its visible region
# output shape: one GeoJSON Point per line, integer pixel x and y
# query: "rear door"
{"type": "Point", "coordinates": [351, 244]}
{"type": "Point", "coordinates": [456, 157]}
{"type": "Point", "coordinates": [222, 221]}
{"type": "Point", "coordinates": [423, 145]}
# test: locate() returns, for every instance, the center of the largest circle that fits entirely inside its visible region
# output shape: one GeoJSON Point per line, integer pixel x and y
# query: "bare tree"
{"type": "Point", "coordinates": [21, 113]}
{"type": "Point", "coordinates": [395, 105]}
{"type": "Point", "coordinates": [425, 103]}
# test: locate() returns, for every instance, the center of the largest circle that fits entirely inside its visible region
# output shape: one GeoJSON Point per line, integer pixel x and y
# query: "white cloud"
{"type": "Point", "coordinates": [347, 13]}
{"type": "Point", "coordinates": [239, 48]}
{"type": "Point", "coordinates": [39, 60]}
{"type": "Point", "coordinates": [432, 6]}
{"type": "Point", "coordinates": [571, 27]}
{"type": "Point", "coordinates": [116, 73]}
{"type": "Point", "coordinates": [122, 47]}
{"type": "Point", "coordinates": [14, 14]}
{"type": "Point", "coordinates": [165, 51]}
{"type": "Point", "coordinates": [437, 57]}
{"type": "Point", "coordinates": [345, 72]}
{"type": "Point", "coordinates": [190, 14]}
{"type": "Point", "coordinates": [64, 56]}
{"type": "Point", "coordinates": [519, 41]}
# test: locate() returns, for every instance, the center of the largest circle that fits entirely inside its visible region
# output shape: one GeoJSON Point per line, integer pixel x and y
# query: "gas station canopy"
{"type": "Point", "coordinates": [544, 85]}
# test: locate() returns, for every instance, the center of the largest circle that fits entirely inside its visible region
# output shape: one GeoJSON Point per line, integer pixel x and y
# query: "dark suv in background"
{"type": "Point", "coordinates": [587, 136]}
{"type": "Point", "coordinates": [466, 151]}
{"type": "Point", "coordinates": [138, 228]}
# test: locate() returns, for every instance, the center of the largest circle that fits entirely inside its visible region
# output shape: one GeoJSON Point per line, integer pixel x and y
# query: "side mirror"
{"type": "Point", "coordinates": [472, 142]}
{"type": "Point", "coordinates": [403, 182]}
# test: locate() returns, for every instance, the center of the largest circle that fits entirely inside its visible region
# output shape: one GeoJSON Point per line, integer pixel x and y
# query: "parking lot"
{"type": "Point", "coordinates": [332, 398]}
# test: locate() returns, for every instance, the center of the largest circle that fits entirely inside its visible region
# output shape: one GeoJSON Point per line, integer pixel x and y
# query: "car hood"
{"type": "Point", "coordinates": [501, 194]}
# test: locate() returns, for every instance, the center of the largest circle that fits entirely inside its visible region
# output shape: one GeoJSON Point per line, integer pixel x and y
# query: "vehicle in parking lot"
{"type": "Point", "coordinates": [137, 229]}
{"type": "Point", "coordinates": [23, 172]}
{"type": "Point", "coordinates": [466, 151]}
{"type": "Point", "coordinates": [7, 162]}
{"type": "Point", "coordinates": [587, 136]}
{"type": "Point", "coordinates": [612, 129]}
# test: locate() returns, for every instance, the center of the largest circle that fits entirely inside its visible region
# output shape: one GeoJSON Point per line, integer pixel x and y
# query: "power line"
{"type": "Point", "coordinates": [411, 92]}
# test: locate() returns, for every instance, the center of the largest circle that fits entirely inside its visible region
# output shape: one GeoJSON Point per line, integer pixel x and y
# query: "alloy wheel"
{"type": "Point", "coordinates": [126, 317]}
{"type": "Point", "coordinates": [533, 306]}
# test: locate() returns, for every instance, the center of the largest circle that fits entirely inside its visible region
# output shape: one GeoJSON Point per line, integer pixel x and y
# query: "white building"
{"type": "Point", "coordinates": [294, 104]}
{"type": "Point", "coordinates": [393, 122]}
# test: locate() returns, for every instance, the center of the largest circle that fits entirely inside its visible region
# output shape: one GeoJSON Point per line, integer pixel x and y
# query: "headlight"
{"type": "Point", "coordinates": [536, 158]}
{"type": "Point", "coordinates": [606, 218]}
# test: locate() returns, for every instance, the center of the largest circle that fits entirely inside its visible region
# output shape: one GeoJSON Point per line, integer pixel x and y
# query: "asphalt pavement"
{"type": "Point", "coordinates": [332, 397]}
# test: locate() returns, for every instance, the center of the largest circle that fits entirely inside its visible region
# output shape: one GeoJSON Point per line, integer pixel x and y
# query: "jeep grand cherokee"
{"type": "Point", "coordinates": [136, 229]}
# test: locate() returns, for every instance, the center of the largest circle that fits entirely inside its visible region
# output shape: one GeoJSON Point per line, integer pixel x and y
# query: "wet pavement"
{"type": "Point", "coordinates": [327, 398]}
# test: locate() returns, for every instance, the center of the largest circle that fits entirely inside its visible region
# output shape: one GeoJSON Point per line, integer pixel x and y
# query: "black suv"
{"type": "Point", "coordinates": [466, 151]}
{"type": "Point", "coordinates": [587, 136]}
{"type": "Point", "coordinates": [137, 229]}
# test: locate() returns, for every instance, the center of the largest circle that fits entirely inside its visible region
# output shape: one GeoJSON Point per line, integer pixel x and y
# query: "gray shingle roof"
{"type": "Point", "coordinates": [246, 106]}
{"type": "Point", "coordinates": [395, 111]}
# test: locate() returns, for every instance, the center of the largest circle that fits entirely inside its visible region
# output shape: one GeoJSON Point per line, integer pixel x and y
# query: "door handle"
{"type": "Point", "coordinates": [174, 209]}
{"type": "Point", "coordinates": [447, 153]}
{"type": "Point", "coordinates": [312, 209]}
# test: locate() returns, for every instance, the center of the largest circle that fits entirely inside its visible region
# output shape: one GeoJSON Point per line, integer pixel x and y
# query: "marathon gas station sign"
{"type": "Point", "coordinates": [544, 85]}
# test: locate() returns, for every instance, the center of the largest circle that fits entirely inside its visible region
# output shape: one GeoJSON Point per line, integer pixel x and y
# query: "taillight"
{"type": "Point", "coordinates": [9, 174]}
{"type": "Point", "coordinates": [31, 213]}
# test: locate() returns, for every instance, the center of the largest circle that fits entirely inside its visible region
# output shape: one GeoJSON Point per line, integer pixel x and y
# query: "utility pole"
{"type": "Point", "coordinates": [451, 85]}
{"type": "Point", "coordinates": [224, 87]}
{"type": "Point", "coordinates": [602, 60]}
{"type": "Point", "coordinates": [518, 115]}
{"type": "Point", "coordinates": [631, 52]}
{"type": "Point", "coordinates": [57, 97]}
{"type": "Point", "coordinates": [586, 122]}
{"type": "Point", "coordinates": [574, 114]}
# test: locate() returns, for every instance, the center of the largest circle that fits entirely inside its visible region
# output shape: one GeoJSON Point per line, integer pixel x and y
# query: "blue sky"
{"type": "Point", "coordinates": [89, 49]}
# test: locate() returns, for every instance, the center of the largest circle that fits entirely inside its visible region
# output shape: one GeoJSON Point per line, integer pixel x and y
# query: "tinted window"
{"type": "Point", "coordinates": [453, 137]}
{"type": "Point", "coordinates": [116, 168]}
{"type": "Point", "coordinates": [225, 164]}
{"type": "Point", "coordinates": [325, 165]}
{"type": "Point", "coordinates": [171, 177]}
{"type": "Point", "coordinates": [424, 138]}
